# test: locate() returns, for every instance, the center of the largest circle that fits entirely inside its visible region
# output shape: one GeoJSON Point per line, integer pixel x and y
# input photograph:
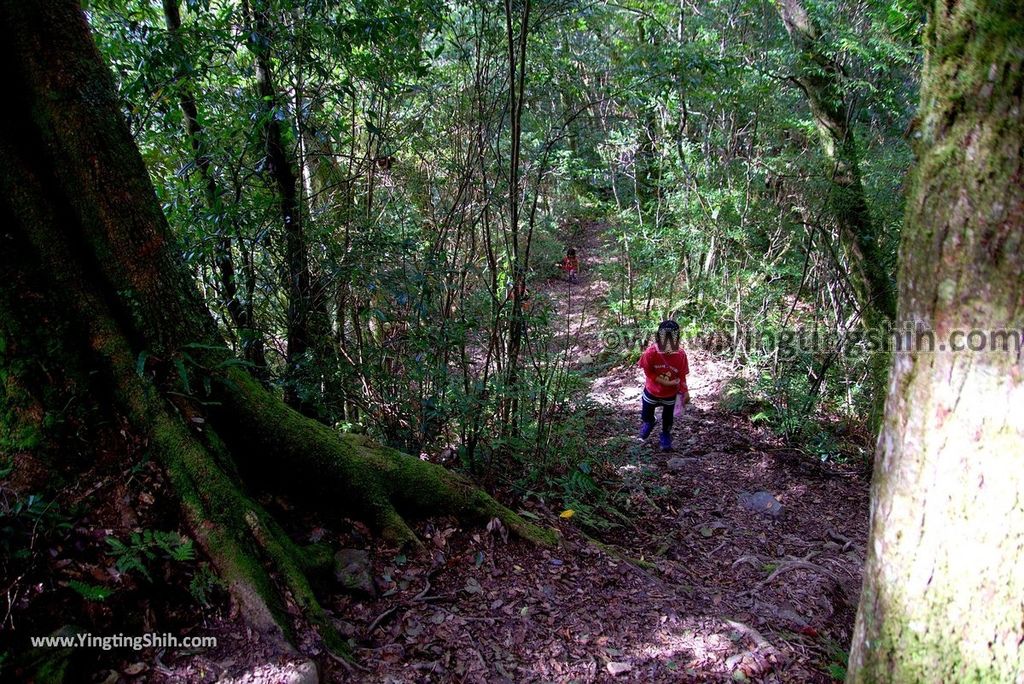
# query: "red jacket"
{"type": "Point", "coordinates": [656, 363]}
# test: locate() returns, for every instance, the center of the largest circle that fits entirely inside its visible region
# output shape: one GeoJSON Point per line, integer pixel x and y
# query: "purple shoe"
{"type": "Point", "coordinates": [645, 430]}
{"type": "Point", "coordinates": [665, 442]}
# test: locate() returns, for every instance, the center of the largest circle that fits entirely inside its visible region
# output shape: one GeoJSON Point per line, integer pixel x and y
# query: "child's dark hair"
{"type": "Point", "coordinates": [667, 337]}
{"type": "Point", "coordinates": [570, 252]}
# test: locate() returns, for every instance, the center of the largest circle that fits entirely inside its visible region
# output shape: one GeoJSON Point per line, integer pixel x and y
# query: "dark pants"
{"type": "Point", "coordinates": [649, 402]}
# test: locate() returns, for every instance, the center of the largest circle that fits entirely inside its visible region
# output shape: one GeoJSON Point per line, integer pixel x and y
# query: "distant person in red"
{"type": "Point", "coordinates": [665, 367]}
{"type": "Point", "coordinates": [570, 264]}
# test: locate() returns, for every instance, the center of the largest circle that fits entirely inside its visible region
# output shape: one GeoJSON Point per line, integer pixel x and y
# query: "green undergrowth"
{"type": "Point", "coordinates": [804, 423]}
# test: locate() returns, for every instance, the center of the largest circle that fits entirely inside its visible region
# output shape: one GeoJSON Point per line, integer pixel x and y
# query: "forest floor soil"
{"type": "Point", "coordinates": [689, 585]}
{"type": "Point", "coordinates": [681, 583]}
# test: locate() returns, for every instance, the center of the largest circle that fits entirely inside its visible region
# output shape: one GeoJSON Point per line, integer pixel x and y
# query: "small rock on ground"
{"type": "Point", "coordinates": [762, 502]}
{"type": "Point", "coordinates": [300, 672]}
{"type": "Point", "coordinates": [680, 463]}
{"type": "Point", "coordinates": [352, 570]}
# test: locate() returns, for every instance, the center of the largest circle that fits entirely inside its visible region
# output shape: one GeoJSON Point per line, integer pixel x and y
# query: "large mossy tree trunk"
{"type": "Point", "coordinates": [82, 229]}
{"type": "Point", "coordinates": [943, 597]}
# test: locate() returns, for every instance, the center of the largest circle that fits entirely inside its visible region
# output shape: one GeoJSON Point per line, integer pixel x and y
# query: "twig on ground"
{"type": "Point", "coordinates": [752, 560]}
{"type": "Point", "coordinates": [717, 549]}
{"type": "Point", "coordinates": [349, 667]}
{"type": "Point", "coordinates": [788, 565]}
{"type": "Point", "coordinates": [840, 539]}
{"type": "Point", "coordinates": [380, 618]}
{"type": "Point", "coordinates": [422, 595]}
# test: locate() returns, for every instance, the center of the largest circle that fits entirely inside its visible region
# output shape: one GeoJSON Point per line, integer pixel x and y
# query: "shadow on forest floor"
{"type": "Point", "coordinates": [686, 585]}
{"type": "Point", "coordinates": [690, 587]}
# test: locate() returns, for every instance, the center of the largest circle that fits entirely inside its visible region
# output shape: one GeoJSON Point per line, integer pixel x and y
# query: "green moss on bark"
{"type": "Point", "coordinates": [351, 473]}
{"type": "Point", "coordinates": [74, 192]}
{"type": "Point", "coordinates": [943, 585]}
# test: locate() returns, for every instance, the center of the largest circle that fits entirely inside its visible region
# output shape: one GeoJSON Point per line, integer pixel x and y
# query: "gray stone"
{"type": "Point", "coordinates": [615, 669]}
{"type": "Point", "coordinates": [792, 619]}
{"type": "Point", "coordinates": [761, 502]}
{"type": "Point", "coordinates": [352, 570]}
{"type": "Point", "coordinates": [680, 463]}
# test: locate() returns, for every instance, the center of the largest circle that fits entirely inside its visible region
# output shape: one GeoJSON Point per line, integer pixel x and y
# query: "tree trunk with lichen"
{"type": "Point", "coordinates": [943, 595]}
{"type": "Point", "coordinates": [84, 236]}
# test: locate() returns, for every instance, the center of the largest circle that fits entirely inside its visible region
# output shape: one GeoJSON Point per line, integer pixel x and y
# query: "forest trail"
{"type": "Point", "coordinates": [687, 586]}
{"type": "Point", "coordinates": [663, 576]}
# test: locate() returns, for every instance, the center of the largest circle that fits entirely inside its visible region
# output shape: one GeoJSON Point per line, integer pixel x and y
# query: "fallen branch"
{"type": "Point", "coordinates": [380, 618]}
{"type": "Point", "coordinates": [800, 565]}
{"type": "Point", "coordinates": [717, 549]}
{"type": "Point", "coordinates": [753, 560]}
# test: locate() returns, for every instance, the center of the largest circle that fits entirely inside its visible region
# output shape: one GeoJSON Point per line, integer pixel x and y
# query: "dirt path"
{"type": "Point", "coordinates": [679, 582]}
{"type": "Point", "coordinates": [694, 588]}
{"type": "Point", "coordinates": [686, 585]}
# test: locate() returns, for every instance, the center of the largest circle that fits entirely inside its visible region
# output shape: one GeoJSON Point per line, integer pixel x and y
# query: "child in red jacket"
{"type": "Point", "coordinates": [665, 367]}
{"type": "Point", "coordinates": [570, 265]}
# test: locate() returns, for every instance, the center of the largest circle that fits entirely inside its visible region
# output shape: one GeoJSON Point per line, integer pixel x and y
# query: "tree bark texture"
{"type": "Point", "coordinates": [943, 596]}
{"type": "Point", "coordinates": [82, 229]}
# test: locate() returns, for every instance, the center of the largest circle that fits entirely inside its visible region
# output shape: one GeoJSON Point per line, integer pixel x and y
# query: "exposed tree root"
{"type": "Point", "coordinates": [345, 474]}
{"type": "Point", "coordinates": [350, 473]}
{"type": "Point", "coordinates": [256, 558]}
{"type": "Point", "coordinates": [752, 560]}
{"type": "Point", "coordinates": [759, 660]}
{"type": "Point", "coordinates": [83, 230]}
{"type": "Point", "coordinates": [794, 564]}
